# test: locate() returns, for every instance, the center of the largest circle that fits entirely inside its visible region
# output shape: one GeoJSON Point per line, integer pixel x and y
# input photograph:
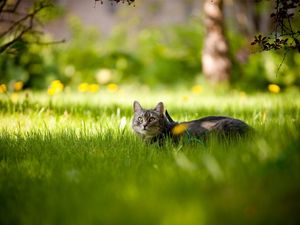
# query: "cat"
{"type": "Point", "coordinates": [155, 125]}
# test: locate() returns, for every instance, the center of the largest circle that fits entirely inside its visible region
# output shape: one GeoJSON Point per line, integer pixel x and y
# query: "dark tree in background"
{"type": "Point", "coordinates": [18, 19]}
{"type": "Point", "coordinates": [286, 31]}
{"type": "Point", "coordinates": [216, 64]}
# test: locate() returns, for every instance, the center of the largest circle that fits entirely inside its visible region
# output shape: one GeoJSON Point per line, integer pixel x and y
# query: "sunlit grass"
{"type": "Point", "coordinates": [72, 158]}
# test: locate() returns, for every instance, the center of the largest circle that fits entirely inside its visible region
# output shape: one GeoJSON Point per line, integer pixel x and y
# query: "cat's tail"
{"type": "Point", "coordinates": [169, 117]}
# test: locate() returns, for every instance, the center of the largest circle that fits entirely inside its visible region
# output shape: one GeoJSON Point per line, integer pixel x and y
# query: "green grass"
{"type": "Point", "coordinates": [68, 161]}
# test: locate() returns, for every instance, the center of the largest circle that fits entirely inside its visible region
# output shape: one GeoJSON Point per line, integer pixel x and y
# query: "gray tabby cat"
{"type": "Point", "coordinates": [155, 125]}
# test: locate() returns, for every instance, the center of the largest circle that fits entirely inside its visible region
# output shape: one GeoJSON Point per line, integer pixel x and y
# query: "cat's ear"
{"type": "Point", "coordinates": [159, 108]}
{"type": "Point", "coordinates": [137, 106]}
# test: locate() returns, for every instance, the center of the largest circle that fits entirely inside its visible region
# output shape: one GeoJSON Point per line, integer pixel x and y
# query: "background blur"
{"type": "Point", "coordinates": [153, 43]}
{"type": "Point", "coordinates": [68, 154]}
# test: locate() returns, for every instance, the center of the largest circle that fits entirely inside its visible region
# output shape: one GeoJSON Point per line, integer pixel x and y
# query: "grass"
{"type": "Point", "coordinates": [69, 160]}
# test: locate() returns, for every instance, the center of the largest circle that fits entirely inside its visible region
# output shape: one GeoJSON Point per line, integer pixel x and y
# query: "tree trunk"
{"type": "Point", "coordinates": [216, 64]}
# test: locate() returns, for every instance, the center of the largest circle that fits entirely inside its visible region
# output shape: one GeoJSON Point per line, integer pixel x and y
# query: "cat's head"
{"type": "Point", "coordinates": [148, 122]}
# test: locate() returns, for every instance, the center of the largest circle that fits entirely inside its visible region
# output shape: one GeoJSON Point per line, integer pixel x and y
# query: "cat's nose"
{"type": "Point", "coordinates": [144, 126]}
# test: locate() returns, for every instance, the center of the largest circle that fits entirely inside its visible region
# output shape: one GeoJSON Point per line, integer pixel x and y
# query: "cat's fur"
{"type": "Point", "coordinates": [156, 124]}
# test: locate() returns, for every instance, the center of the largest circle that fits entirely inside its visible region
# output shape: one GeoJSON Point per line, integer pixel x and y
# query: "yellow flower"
{"type": "Point", "coordinates": [112, 87]}
{"type": "Point", "coordinates": [51, 91]}
{"type": "Point", "coordinates": [14, 97]}
{"type": "Point", "coordinates": [179, 128]}
{"type": "Point", "coordinates": [93, 88]}
{"type": "Point", "coordinates": [273, 88]}
{"type": "Point", "coordinates": [3, 88]}
{"type": "Point", "coordinates": [18, 85]}
{"type": "Point", "coordinates": [243, 94]}
{"type": "Point", "coordinates": [57, 85]}
{"type": "Point", "coordinates": [185, 98]}
{"type": "Point", "coordinates": [197, 89]}
{"type": "Point", "coordinates": [83, 87]}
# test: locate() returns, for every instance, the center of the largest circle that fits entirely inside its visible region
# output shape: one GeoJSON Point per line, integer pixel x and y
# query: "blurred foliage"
{"type": "Point", "coordinates": [286, 32]}
{"type": "Point", "coordinates": [253, 69]}
{"type": "Point", "coordinates": [165, 56]}
{"type": "Point", "coordinates": [17, 23]}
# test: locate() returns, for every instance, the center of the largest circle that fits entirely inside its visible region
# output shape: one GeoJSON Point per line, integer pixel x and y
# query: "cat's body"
{"type": "Point", "coordinates": [155, 125]}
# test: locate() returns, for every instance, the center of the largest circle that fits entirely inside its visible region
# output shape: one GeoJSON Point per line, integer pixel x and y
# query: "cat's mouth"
{"type": "Point", "coordinates": [145, 130]}
{"type": "Point", "coordinates": [148, 131]}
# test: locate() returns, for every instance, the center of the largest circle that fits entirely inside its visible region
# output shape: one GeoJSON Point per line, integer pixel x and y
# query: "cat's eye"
{"type": "Point", "coordinates": [151, 119]}
{"type": "Point", "coordinates": [140, 119]}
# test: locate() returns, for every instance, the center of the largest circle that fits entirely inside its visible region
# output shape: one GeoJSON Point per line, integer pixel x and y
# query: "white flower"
{"type": "Point", "coordinates": [104, 76]}
{"type": "Point", "coordinates": [122, 123]}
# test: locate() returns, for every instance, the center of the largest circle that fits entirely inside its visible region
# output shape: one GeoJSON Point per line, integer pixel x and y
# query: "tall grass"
{"type": "Point", "coordinates": [71, 160]}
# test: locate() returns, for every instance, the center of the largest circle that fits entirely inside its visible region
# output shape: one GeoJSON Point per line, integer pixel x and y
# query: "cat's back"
{"type": "Point", "coordinates": [219, 124]}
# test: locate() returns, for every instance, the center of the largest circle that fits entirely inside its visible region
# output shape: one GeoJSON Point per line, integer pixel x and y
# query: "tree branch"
{"type": "Point", "coordinates": [19, 27]}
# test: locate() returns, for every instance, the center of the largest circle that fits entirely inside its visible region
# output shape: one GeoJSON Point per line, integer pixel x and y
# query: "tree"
{"type": "Point", "coordinates": [286, 32]}
{"type": "Point", "coordinates": [117, 1]}
{"type": "Point", "coordinates": [16, 23]}
{"type": "Point", "coordinates": [216, 64]}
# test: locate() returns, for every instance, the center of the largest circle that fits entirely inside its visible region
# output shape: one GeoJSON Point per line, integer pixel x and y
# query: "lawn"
{"type": "Point", "coordinates": [73, 159]}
